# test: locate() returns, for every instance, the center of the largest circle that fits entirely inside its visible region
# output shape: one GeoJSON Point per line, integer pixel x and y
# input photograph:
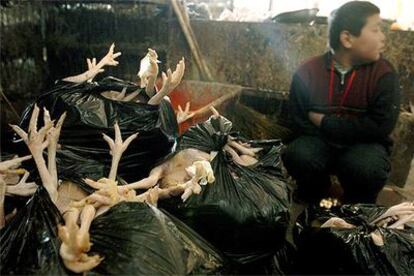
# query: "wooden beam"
{"type": "Point", "coordinates": [191, 39]}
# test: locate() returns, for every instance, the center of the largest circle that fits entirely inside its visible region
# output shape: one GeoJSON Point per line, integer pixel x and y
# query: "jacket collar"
{"type": "Point", "coordinates": [328, 57]}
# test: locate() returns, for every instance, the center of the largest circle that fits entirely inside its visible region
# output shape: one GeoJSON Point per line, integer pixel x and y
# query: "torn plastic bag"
{"type": "Point", "coordinates": [351, 251]}
{"type": "Point", "coordinates": [29, 242]}
{"type": "Point", "coordinates": [244, 213]}
{"type": "Point", "coordinates": [138, 239]}
{"type": "Point", "coordinates": [89, 114]}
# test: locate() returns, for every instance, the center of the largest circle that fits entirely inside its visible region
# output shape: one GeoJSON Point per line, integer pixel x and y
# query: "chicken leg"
{"type": "Point", "coordinates": [117, 149]}
{"type": "Point", "coordinates": [76, 240]}
{"type": "Point", "coordinates": [37, 141]}
{"type": "Point", "coordinates": [94, 69]}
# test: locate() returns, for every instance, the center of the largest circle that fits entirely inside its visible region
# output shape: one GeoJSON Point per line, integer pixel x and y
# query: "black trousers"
{"type": "Point", "coordinates": [362, 169]}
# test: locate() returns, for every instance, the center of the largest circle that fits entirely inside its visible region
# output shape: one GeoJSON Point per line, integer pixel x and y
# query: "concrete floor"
{"type": "Point", "coordinates": [392, 195]}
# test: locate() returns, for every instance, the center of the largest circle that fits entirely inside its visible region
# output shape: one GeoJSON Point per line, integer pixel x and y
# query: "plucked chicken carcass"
{"type": "Point", "coordinates": [182, 174]}
{"type": "Point", "coordinates": [188, 169]}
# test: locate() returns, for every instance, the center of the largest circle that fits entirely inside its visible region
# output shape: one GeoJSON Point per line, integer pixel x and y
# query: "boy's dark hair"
{"type": "Point", "coordinates": [350, 17]}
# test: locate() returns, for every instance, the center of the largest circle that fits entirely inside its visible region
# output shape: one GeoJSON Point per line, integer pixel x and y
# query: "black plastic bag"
{"type": "Point", "coordinates": [351, 251]}
{"type": "Point", "coordinates": [89, 114]}
{"type": "Point", "coordinates": [134, 238]}
{"type": "Point", "coordinates": [29, 243]}
{"type": "Point", "coordinates": [280, 263]}
{"type": "Point", "coordinates": [73, 166]}
{"type": "Point", "coordinates": [244, 213]}
{"type": "Point", "coordinates": [138, 239]}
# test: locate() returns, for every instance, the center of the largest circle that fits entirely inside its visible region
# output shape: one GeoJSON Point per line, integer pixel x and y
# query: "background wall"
{"type": "Point", "coordinates": [265, 55]}
{"type": "Point", "coordinates": [42, 42]}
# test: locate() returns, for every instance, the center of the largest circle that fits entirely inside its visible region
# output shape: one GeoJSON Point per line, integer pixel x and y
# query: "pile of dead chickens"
{"type": "Point", "coordinates": [51, 233]}
{"type": "Point", "coordinates": [72, 221]}
{"type": "Point", "coordinates": [110, 188]}
{"type": "Point", "coordinates": [93, 108]}
{"type": "Point", "coordinates": [29, 242]}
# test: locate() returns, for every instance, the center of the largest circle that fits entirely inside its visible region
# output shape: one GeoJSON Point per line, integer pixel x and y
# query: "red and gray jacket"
{"type": "Point", "coordinates": [363, 107]}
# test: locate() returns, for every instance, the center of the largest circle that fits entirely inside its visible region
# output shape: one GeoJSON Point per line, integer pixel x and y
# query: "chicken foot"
{"type": "Point", "coordinates": [117, 148]}
{"type": "Point", "coordinates": [37, 141]}
{"type": "Point", "coordinates": [405, 208]}
{"type": "Point", "coordinates": [243, 160]}
{"type": "Point", "coordinates": [21, 188]}
{"type": "Point", "coordinates": [170, 81]}
{"type": "Point", "coordinates": [94, 69]}
{"type": "Point", "coordinates": [76, 240]}
{"type": "Point", "coordinates": [184, 115]}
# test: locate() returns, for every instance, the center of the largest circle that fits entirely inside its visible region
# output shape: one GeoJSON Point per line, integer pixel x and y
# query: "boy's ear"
{"type": "Point", "coordinates": [346, 39]}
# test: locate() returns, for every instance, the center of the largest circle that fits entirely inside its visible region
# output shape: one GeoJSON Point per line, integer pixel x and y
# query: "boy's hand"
{"type": "Point", "coordinates": [316, 118]}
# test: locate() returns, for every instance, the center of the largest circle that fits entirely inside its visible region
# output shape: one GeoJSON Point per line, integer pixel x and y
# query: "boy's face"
{"type": "Point", "coordinates": [369, 45]}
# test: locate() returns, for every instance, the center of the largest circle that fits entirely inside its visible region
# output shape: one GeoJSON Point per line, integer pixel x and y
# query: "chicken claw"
{"type": "Point", "coordinates": [94, 69]}
{"type": "Point", "coordinates": [76, 240]}
{"type": "Point", "coordinates": [37, 141]}
{"type": "Point", "coordinates": [184, 115]}
{"type": "Point", "coordinates": [117, 148]}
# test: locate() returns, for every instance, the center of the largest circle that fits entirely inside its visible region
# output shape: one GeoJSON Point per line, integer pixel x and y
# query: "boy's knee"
{"type": "Point", "coordinates": [365, 164]}
{"type": "Point", "coordinates": [367, 171]}
{"type": "Point", "coordinates": [363, 180]}
{"type": "Point", "coordinates": [301, 160]}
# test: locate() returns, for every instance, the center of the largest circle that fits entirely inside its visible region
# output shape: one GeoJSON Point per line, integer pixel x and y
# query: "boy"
{"type": "Point", "coordinates": [343, 105]}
